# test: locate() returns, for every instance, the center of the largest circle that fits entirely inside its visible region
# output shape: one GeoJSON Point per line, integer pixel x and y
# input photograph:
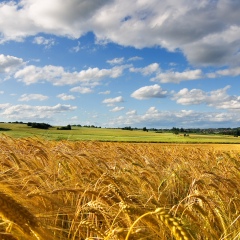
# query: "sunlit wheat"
{"type": "Point", "coordinates": [110, 191]}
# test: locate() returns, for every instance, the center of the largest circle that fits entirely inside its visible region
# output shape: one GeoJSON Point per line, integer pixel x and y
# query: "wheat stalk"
{"type": "Point", "coordinates": [177, 230]}
{"type": "Point", "coordinates": [17, 213]}
{"type": "Point", "coordinates": [13, 211]}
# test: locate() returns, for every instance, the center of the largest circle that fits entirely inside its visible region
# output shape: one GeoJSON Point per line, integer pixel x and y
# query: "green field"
{"type": "Point", "coordinates": [114, 135]}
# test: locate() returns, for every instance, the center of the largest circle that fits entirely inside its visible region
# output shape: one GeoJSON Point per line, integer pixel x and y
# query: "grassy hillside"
{"type": "Point", "coordinates": [102, 134]}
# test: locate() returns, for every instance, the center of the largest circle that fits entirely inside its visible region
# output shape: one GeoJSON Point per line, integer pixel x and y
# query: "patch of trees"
{"type": "Point", "coordinates": [127, 128]}
{"type": "Point", "coordinates": [86, 126]}
{"type": "Point", "coordinates": [91, 126]}
{"type": "Point", "coordinates": [68, 127]}
{"type": "Point", "coordinates": [235, 132]}
{"type": "Point", "coordinates": [178, 130]}
{"type": "Point", "coordinates": [39, 125]}
{"type": "Point", "coordinates": [5, 129]}
{"type": "Point", "coordinates": [145, 129]}
{"type": "Point", "coordinates": [224, 131]}
{"type": "Point", "coordinates": [17, 122]}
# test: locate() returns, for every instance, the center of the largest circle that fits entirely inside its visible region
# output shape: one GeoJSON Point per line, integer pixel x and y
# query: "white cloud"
{"type": "Point", "coordinates": [183, 118]}
{"type": "Point", "coordinates": [232, 72]}
{"type": "Point", "coordinates": [4, 106]}
{"type": "Point", "coordinates": [82, 90]}
{"type": "Point", "coordinates": [186, 97]}
{"type": "Point", "coordinates": [132, 112]}
{"type": "Point", "coordinates": [153, 91]}
{"type": "Point", "coordinates": [76, 48]}
{"type": "Point", "coordinates": [59, 77]}
{"type": "Point", "coordinates": [105, 93]}
{"type": "Point", "coordinates": [218, 98]}
{"type": "Point", "coordinates": [218, 48]}
{"type": "Point", "coordinates": [9, 63]}
{"type": "Point", "coordinates": [65, 97]}
{"type": "Point", "coordinates": [168, 76]}
{"type": "Point", "coordinates": [195, 28]}
{"type": "Point", "coordinates": [136, 58]}
{"type": "Point", "coordinates": [1, 92]}
{"type": "Point", "coordinates": [229, 72]}
{"type": "Point", "coordinates": [117, 109]}
{"type": "Point", "coordinates": [59, 17]}
{"type": "Point", "coordinates": [47, 42]}
{"type": "Point", "coordinates": [113, 100]}
{"type": "Point", "coordinates": [74, 118]}
{"type": "Point", "coordinates": [177, 77]}
{"type": "Point", "coordinates": [116, 61]}
{"type": "Point", "coordinates": [34, 113]}
{"type": "Point", "coordinates": [148, 70]}
{"type": "Point", "coordinates": [30, 97]}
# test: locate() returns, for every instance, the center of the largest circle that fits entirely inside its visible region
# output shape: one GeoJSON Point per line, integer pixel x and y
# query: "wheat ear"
{"type": "Point", "coordinates": [177, 230]}
{"type": "Point", "coordinates": [15, 212]}
{"type": "Point", "coordinates": [18, 214]}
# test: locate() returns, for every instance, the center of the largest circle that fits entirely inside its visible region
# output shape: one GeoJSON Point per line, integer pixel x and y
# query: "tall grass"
{"type": "Point", "coordinates": [99, 190]}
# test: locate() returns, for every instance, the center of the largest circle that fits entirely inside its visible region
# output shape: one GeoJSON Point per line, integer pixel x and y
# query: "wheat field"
{"type": "Point", "coordinates": [102, 190]}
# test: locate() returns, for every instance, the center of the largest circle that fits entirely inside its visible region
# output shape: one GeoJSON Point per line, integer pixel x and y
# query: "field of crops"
{"type": "Point", "coordinates": [102, 190]}
{"type": "Point", "coordinates": [111, 135]}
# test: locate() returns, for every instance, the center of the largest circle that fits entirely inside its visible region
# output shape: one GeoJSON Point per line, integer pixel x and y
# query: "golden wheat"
{"type": "Point", "coordinates": [17, 213]}
{"type": "Point", "coordinates": [88, 190]}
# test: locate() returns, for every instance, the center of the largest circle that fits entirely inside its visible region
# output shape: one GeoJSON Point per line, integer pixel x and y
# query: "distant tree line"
{"type": "Point", "coordinates": [86, 126]}
{"type": "Point", "coordinates": [234, 132]}
{"type": "Point", "coordinates": [224, 131]}
{"type": "Point", "coordinates": [17, 122]}
{"type": "Point", "coordinates": [68, 127]}
{"type": "Point", "coordinates": [39, 125]}
{"type": "Point", "coordinates": [186, 131]}
{"type": "Point", "coordinates": [127, 128]}
{"type": "Point", "coordinates": [5, 129]}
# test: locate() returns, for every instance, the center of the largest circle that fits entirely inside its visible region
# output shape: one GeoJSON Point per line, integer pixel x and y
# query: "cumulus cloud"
{"type": "Point", "coordinates": [82, 90]}
{"type": "Point", "coordinates": [113, 100]}
{"type": "Point", "coordinates": [116, 61]}
{"type": "Point", "coordinates": [218, 98]}
{"type": "Point", "coordinates": [9, 63]}
{"type": "Point", "coordinates": [169, 76]}
{"type": "Point", "coordinates": [47, 42]}
{"type": "Point", "coordinates": [195, 28]}
{"type": "Point", "coordinates": [148, 70]}
{"type": "Point", "coordinates": [65, 97]}
{"type": "Point", "coordinates": [228, 72]}
{"type": "Point", "coordinates": [117, 109]}
{"type": "Point", "coordinates": [105, 93]}
{"type": "Point", "coordinates": [59, 17]}
{"type": "Point", "coordinates": [132, 112]}
{"type": "Point", "coordinates": [189, 97]}
{"type": "Point", "coordinates": [4, 106]}
{"type": "Point", "coordinates": [216, 48]}
{"type": "Point", "coordinates": [153, 91]}
{"type": "Point", "coordinates": [177, 77]}
{"type": "Point", "coordinates": [29, 112]}
{"type": "Point", "coordinates": [30, 97]}
{"type": "Point", "coordinates": [168, 119]}
{"type": "Point", "coordinates": [59, 77]}
{"type": "Point", "coordinates": [136, 58]}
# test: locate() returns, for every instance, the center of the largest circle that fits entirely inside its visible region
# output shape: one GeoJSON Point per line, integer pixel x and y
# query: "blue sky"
{"type": "Point", "coordinates": [116, 63]}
